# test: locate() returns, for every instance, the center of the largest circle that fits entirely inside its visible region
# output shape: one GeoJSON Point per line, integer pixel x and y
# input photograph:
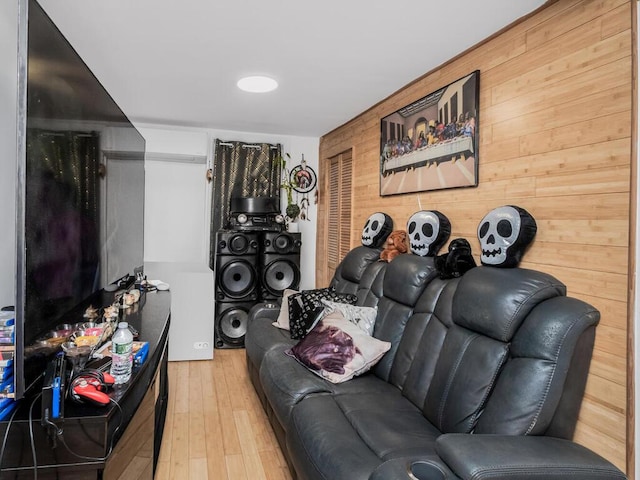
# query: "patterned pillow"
{"type": "Point", "coordinates": [305, 308]}
{"type": "Point", "coordinates": [364, 317]}
{"type": "Point", "coordinates": [338, 350]}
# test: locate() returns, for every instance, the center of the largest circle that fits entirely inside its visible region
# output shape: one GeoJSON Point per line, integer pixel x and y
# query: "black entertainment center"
{"type": "Point", "coordinates": [134, 428]}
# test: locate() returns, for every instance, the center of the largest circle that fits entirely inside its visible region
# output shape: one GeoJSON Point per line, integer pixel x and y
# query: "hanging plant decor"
{"type": "Point", "coordinates": [302, 179]}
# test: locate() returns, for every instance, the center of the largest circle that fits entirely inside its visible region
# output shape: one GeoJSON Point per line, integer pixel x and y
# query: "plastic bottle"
{"type": "Point", "coordinates": [122, 353]}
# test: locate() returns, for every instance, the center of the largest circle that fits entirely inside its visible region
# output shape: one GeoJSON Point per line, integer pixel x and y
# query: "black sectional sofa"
{"type": "Point", "coordinates": [484, 379]}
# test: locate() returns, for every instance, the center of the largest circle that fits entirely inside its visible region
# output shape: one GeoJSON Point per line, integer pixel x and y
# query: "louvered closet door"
{"type": "Point", "coordinates": [339, 211]}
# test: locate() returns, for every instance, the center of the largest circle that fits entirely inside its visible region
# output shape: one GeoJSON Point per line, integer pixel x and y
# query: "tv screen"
{"type": "Point", "coordinates": [82, 200]}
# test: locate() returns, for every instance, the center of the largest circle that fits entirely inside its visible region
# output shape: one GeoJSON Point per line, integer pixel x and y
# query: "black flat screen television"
{"type": "Point", "coordinates": [80, 222]}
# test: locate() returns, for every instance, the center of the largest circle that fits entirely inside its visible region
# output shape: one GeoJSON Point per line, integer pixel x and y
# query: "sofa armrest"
{"type": "Point", "coordinates": [268, 310]}
{"type": "Point", "coordinates": [475, 457]}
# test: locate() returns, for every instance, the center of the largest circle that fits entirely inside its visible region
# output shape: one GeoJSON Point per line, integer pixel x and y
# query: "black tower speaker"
{"type": "Point", "coordinates": [279, 263]}
{"type": "Point", "coordinates": [236, 266]}
{"type": "Point", "coordinates": [231, 324]}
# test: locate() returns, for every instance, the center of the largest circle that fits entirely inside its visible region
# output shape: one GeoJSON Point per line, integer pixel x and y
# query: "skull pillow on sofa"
{"type": "Point", "coordinates": [428, 231]}
{"type": "Point", "coordinates": [376, 230]}
{"type": "Point", "coordinates": [504, 234]}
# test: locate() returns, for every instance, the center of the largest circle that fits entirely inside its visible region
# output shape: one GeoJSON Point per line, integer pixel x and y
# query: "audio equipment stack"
{"type": "Point", "coordinates": [255, 214]}
{"type": "Point", "coordinates": [255, 261]}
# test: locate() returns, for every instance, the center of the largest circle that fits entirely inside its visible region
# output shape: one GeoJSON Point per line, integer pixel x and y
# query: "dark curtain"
{"type": "Point", "coordinates": [241, 169]}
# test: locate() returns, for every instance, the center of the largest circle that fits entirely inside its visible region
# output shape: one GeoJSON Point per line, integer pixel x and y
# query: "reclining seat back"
{"type": "Point", "coordinates": [371, 284]}
{"type": "Point", "coordinates": [405, 279]}
{"type": "Point", "coordinates": [490, 307]}
{"type": "Point", "coordinates": [422, 340]}
{"type": "Point", "coordinates": [540, 389]}
{"type": "Point", "coordinates": [350, 271]}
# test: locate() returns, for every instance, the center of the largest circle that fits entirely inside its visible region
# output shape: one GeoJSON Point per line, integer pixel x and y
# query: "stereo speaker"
{"type": "Point", "coordinates": [236, 243]}
{"type": "Point", "coordinates": [236, 266]}
{"type": "Point", "coordinates": [279, 272]}
{"type": "Point", "coordinates": [279, 264]}
{"type": "Point", "coordinates": [231, 324]}
{"type": "Point", "coordinates": [281, 242]}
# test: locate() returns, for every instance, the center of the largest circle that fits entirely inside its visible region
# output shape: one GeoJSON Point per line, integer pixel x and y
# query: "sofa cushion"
{"type": "Point", "coordinates": [349, 274]}
{"type": "Point", "coordinates": [350, 435]}
{"type": "Point", "coordinates": [404, 281]}
{"type": "Point", "coordinates": [495, 301]}
{"type": "Point", "coordinates": [387, 422]}
{"type": "Point", "coordinates": [363, 317]}
{"type": "Point", "coordinates": [465, 374]}
{"type": "Point", "coordinates": [306, 308]}
{"type": "Point", "coordinates": [262, 336]}
{"type": "Point", "coordinates": [285, 382]}
{"type": "Point", "coordinates": [283, 316]}
{"type": "Point", "coordinates": [422, 340]}
{"type": "Point", "coordinates": [369, 289]}
{"type": "Point", "coordinates": [555, 339]}
{"type": "Point", "coordinates": [323, 444]}
{"type": "Point", "coordinates": [338, 349]}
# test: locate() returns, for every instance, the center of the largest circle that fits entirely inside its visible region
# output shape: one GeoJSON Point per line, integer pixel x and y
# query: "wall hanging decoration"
{"type": "Point", "coordinates": [432, 143]}
{"type": "Point", "coordinates": [301, 179]}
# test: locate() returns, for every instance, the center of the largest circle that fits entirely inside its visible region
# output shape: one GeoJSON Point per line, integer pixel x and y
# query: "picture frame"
{"type": "Point", "coordinates": [432, 143]}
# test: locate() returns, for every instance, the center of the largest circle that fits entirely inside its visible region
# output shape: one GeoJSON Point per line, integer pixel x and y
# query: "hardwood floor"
{"type": "Point", "coordinates": [216, 428]}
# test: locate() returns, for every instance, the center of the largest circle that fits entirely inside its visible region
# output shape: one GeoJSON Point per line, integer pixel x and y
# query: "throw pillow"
{"type": "Point", "coordinates": [364, 317]}
{"type": "Point", "coordinates": [305, 308]}
{"type": "Point", "coordinates": [338, 350]}
{"type": "Point", "coordinates": [283, 316]}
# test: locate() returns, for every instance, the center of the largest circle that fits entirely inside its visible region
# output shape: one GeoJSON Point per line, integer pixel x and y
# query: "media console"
{"type": "Point", "coordinates": [133, 432]}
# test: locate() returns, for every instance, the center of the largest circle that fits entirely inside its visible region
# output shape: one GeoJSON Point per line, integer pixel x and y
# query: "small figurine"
{"type": "Point", "coordinates": [397, 243]}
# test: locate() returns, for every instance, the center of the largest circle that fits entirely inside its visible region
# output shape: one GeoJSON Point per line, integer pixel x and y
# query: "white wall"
{"type": "Point", "coordinates": [8, 146]}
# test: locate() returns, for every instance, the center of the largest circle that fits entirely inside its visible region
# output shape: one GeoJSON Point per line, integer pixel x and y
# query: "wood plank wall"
{"type": "Point", "coordinates": [555, 129]}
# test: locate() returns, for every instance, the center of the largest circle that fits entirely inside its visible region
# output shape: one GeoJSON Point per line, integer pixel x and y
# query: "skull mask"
{"type": "Point", "coordinates": [376, 230]}
{"type": "Point", "coordinates": [428, 231]}
{"type": "Point", "coordinates": [504, 235]}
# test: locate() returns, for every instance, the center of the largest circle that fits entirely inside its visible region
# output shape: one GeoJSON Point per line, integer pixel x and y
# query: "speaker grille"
{"type": "Point", "coordinates": [231, 327]}
{"type": "Point", "coordinates": [236, 243]}
{"type": "Point", "coordinates": [237, 279]}
{"type": "Point", "coordinates": [282, 243]}
{"type": "Point", "coordinates": [279, 275]}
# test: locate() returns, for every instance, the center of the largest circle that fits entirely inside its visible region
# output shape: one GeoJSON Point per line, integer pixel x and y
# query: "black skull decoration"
{"type": "Point", "coordinates": [457, 261]}
{"type": "Point", "coordinates": [376, 230]}
{"type": "Point", "coordinates": [428, 231]}
{"type": "Point", "coordinates": [504, 234]}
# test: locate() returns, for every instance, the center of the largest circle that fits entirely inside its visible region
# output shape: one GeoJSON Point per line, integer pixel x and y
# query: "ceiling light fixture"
{"type": "Point", "coordinates": [257, 84]}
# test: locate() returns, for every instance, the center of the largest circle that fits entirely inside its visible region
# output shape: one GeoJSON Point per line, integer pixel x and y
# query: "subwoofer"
{"type": "Point", "coordinates": [236, 266]}
{"type": "Point", "coordinates": [279, 264]}
{"type": "Point", "coordinates": [231, 324]}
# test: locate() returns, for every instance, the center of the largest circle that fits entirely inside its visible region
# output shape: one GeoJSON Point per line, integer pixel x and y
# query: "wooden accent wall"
{"type": "Point", "coordinates": [555, 129]}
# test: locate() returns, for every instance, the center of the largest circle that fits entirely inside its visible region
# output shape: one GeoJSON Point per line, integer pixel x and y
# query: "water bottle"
{"type": "Point", "coordinates": [122, 353]}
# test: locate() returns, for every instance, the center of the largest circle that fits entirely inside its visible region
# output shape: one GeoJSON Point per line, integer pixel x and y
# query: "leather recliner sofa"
{"type": "Point", "coordinates": [484, 379]}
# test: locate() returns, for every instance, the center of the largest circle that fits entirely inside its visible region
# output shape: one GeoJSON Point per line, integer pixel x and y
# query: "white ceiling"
{"type": "Point", "coordinates": [176, 62]}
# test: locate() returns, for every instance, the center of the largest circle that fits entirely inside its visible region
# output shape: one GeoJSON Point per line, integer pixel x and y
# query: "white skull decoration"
{"type": "Point", "coordinates": [376, 230]}
{"type": "Point", "coordinates": [504, 233]}
{"type": "Point", "coordinates": [428, 231]}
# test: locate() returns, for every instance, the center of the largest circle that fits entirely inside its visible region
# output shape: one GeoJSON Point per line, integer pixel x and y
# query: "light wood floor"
{"type": "Point", "coordinates": [216, 428]}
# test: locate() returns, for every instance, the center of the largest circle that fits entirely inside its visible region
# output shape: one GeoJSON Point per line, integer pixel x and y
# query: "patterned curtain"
{"type": "Point", "coordinates": [241, 169]}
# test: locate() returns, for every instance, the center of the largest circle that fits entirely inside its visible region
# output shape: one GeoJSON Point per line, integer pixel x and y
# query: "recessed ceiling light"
{"type": "Point", "coordinates": [257, 84]}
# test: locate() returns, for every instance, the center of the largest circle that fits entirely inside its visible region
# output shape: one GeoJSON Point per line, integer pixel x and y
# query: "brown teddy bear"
{"type": "Point", "coordinates": [397, 243]}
